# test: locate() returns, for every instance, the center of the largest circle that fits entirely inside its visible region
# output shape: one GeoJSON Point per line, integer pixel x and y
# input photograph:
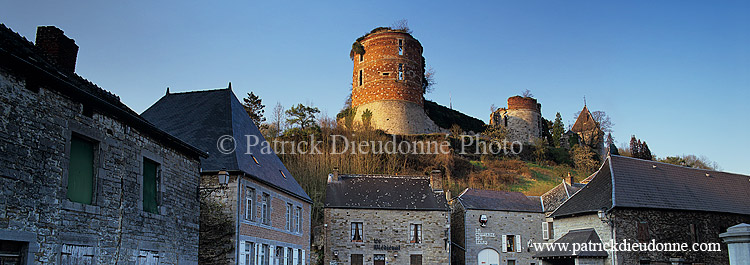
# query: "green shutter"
{"type": "Point", "coordinates": [81, 171]}
{"type": "Point", "coordinates": [150, 186]}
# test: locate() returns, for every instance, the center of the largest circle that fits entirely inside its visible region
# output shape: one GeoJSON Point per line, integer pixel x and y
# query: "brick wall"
{"type": "Point", "coordinates": [391, 228]}
{"type": "Point", "coordinates": [35, 138]}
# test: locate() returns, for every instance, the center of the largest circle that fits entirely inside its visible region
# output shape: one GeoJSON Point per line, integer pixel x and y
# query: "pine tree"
{"type": "Point", "coordinates": [558, 128]}
{"type": "Point", "coordinates": [254, 107]}
{"type": "Point", "coordinates": [645, 152]}
{"type": "Point", "coordinates": [635, 146]}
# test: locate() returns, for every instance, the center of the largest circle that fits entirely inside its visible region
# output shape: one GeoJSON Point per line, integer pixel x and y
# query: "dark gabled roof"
{"type": "Point", "coordinates": [582, 236]}
{"type": "Point", "coordinates": [203, 117]}
{"type": "Point", "coordinates": [597, 194]}
{"type": "Point", "coordinates": [585, 122]}
{"type": "Point", "coordinates": [494, 200]}
{"type": "Point", "coordinates": [559, 194]}
{"type": "Point", "coordinates": [384, 192]}
{"type": "Point", "coordinates": [27, 61]}
{"type": "Point", "coordinates": [647, 184]}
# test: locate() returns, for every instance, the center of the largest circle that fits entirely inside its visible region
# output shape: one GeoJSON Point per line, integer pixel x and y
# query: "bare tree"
{"type": "Point", "coordinates": [401, 25]}
{"type": "Point", "coordinates": [601, 117]}
{"type": "Point", "coordinates": [527, 94]}
{"type": "Point", "coordinates": [279, 118]}
{"type": "Point", "coordinates": [493, 108]}
{"type": "Point", "coordinates": [429, 80]}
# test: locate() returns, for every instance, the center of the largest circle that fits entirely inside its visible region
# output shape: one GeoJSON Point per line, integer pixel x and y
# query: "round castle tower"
{"type": "Point", "coordinates": [387, 81]}
{"type": "Point", "coordinates": [522, 119]}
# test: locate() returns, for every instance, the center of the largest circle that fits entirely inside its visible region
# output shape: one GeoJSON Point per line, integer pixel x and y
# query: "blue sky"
{"type": "Point", "coordinates": [674, 73]}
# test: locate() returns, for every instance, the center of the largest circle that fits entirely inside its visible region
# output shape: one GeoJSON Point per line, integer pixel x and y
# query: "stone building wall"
{"type": "Point", "coordinates": [672, 226]}
{"type": "Point", "coordinates": [35, 143]}
{"type": "Point", "coordinates": [398, 117]}
{"type": "Point", "coordinates": [389, 228]}
{"type": "Point", "coordinates": [527, 225]}
{"type": "Point", "coordinates": [562, 226]}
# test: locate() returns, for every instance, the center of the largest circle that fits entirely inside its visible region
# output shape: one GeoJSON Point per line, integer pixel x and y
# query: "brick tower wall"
{"type": "Point", "coordinates": [397, 104]}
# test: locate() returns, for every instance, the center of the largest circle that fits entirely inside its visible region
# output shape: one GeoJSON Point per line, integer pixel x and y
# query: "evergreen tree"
{"type": "Point", "coordinates": [302, 116]}
{"type": "Point", "coordinates": [635, 147]}
{"type": "Point", "coordinates": [645, 152]}
{"type": "Point", "coordinates": [558, 128]}
{"type": "Point", "coordinates": [254, 107]}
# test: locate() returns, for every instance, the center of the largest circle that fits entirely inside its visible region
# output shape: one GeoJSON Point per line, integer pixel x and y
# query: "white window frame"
{"type": "Point", "coordinates": [545, 230]}
{"type": "Point", "coordinates": [419, 230]}
{"type": "Point", "coordinates": [249, 199]}
{"type": "Point", "coordinates": [265, 209]}
{"type": "Point", "coordinates": [298, 216]}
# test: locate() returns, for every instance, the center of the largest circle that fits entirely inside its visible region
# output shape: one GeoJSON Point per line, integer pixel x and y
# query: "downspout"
{"type": "Point", "coordinates": [237, 222]}
{"type": "Point", "coordinates": [612, 225]}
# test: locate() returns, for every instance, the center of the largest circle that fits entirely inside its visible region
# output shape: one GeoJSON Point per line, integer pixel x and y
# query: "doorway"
{"type": "Point", "coordinates": [488, 257]}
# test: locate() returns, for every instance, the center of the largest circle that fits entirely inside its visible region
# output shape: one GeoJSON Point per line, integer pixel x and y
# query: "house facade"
{"type": "Point", "coordinates": [380, 219]}
{"type": "Point", "coordinates": [261, 216]}
{"type": "Point", "coordinates": [494, 227]}
{"type": "Point", "coordinates": [640, 201]}
{"type": "Point", "coordinates": [84, 179]}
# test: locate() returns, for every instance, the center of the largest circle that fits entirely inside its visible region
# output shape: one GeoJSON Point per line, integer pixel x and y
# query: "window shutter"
{"type": "Point", "coordinates": [518, 243]}
{"type": "Point", "coordinates": [303, 256]}
{"type": "Point", "coordinates": [505, 244]}
{"type": "Point", "coordinates": [242, 253]}
{"type": "Point", "coordinates": [286, 257]}
{"type": "Point", "coordinates": [295, 260]}
{"type": "Point", "coordinates": [257, 254]}
{"type": "Point", "coordinates": [545, 231]}
{"type": "Point", "coordinates": [271, 255]}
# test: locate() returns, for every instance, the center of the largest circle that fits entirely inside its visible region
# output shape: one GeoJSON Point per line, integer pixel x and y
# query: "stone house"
{"type": "Point", "coordinates": [382, 219]}
{"type": "Point", "coordinates": [84, 179]}
{"type": "Point", "coordinates": [640, 201]}
{"type": "Point", "coordinates": [494, 227]}
{"type": "Point", "coordinates": [552, 199]}
{"type": "Point", "coordinates": [264, 213]}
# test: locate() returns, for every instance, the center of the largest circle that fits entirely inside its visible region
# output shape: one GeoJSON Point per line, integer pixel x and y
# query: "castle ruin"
{"type": "Point", "coordinates": [522, 119]}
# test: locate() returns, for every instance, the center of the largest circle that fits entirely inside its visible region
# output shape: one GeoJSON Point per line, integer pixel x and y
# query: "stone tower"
{"type": "Point", "coordinates": [522, 119]}
{"type": "Point", "coordinates": [387, 81]}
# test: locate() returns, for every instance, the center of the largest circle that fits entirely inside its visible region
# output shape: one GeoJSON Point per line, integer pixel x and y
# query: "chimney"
{"type": "Point", "coordinates": [334, 177]}
{"type": "Point", "coordinates": [60, 50]}
{"type": "Point", "coordinates": [569, 180]}
{"type": "Point", "coordinates": [436, 180]}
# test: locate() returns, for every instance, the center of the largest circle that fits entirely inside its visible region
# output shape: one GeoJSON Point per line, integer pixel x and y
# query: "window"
{"type": "Point", "coordinates": [358, 259]}
{"type": "Point", "coordinates": [301, 257]}
{"type": "Point", "coordinates": [357, 233]}
{"type": "Point", "coordinates": [511, 262]}
{"type": "Point", "coordinates": [249, 197]}
{"type": "Point", "coordinates": [278, 256]}
{"type": "Point", "coordinates": [547, 230]}
{"type": "Point", "coordinates": [263, 254]}
{"type": "Point", "coordinates": [400, 71]}
{"type": "Point", "coordinates": [379, 259]}
{"type": "Point", "coordinates": [73, 254]}
{"type": "Point", "coordinates": [643, 235]}
{"type": "Point", "coordinates": [295, 258]}
{"type": "Point", "coordinates": [81, 170]}
{"type": "Point", "coordinates": [290, 254]}
{"type": "Point", "coordinates": [415, 233]}
{"type": "Point", "coordinates": [289, 217]}
{"type": "Point", "coordinates": [265, 211]}
{"type": "Point", "coordinates": [151, 180]}
{"type": "Point", "coordinates": [415, 260]}
{"type": "Point", "coordinates": [247, 255]}
{"type": "Point", "coordinates": [12, 252]}
{"type": "Point", "coordinates": [360, 77]}
{"type": "Point", "coordinates": [146, 257]}
{"type": "Point", "coordinates": [361, 57]}
{"type": "Point", "coordinates": [511, 243]}
{"type": "Point", "coordinates": [298, 219]}
{"type": "Point", "coordinates": [400, 47]}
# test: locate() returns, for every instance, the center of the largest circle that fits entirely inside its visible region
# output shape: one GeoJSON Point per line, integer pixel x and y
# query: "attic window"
{"type": "Point", "coordinates": [255, 159]}
{"type": "Point", "coordinates": [282, 173]}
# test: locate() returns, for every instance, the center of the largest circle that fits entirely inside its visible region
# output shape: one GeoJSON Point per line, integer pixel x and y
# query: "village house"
{"type": "Point", "coordinates": [84, 179]}
{"type": "Point", "coordinates": [494, 227]}
{"type": "Point", "coordinates": [262, 214]}
{"type": "Point", "coordinates": [636, 200]}
{"type": "Point", "coordinates": [383, 219]}
{"type": "Point", "coordinates": [554, 198]}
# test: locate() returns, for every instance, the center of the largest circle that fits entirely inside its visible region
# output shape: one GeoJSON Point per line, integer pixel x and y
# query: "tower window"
{"type": "Point", "coordinates": [360, 77]}
{"type": "Point", "coordinates": [361, 57]}
{"type": "Point", "coordinates": [400, 47]}
{"type": "Point", "coordinates": [400, 71]}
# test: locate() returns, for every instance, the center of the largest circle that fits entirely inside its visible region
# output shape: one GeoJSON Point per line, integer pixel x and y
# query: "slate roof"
{"type": "Point", "coordinates": [575, 236]}
{"type": "Point", "coordinates": [202, 117]}
{"type": "Point", "coordinates": [23, 57]}
{"type": "Point", "coordinates": [556, 196]}
{"type": "Point", "coordinates": [384, 192]}
{"type": "Point", "coordinates": [493, 200]}
{"type": "Point", "coordinates": [648, 184]}
{"type": "Point", "coordinates": [584, 122]}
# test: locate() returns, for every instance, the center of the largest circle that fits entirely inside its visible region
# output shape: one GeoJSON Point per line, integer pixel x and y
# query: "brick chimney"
{"type": "Point", "coordinates": [60, 50]}
{"type": "Point", "coordinates": [334, 177]}
{"type": "Point", "coordinates": [436, 180]}
{"type": "Point", "coordinates": [569, 179]}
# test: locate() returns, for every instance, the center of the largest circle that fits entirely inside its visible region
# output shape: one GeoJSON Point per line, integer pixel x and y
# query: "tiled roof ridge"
{"type": "Point", "coordinates": [683, 167]}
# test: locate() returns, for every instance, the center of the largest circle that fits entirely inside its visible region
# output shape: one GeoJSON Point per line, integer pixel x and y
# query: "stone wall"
{"type": "Point", "coordinates": [35, 143]}
{"type": "Point", "coordinates": [398, 117]}
{"type": "Point", "coordinates": [389, 228]}
{"type": "Point", "coordinates": [522, 119]}
{"type": "Point", "coordinates": [524, 224]}
{"type": "Point", "coordinates": [562, 226]}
